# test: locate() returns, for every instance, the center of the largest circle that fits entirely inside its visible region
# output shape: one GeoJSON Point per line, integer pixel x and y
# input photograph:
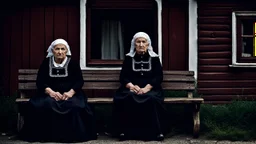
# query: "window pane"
{"type": "Point", "coordinates": [113, 29]}
{"type": "Point", "coordinates": [248, 37]}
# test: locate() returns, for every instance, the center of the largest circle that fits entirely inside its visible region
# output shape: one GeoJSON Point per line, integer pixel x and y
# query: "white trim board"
{"type": "Point", "coordinates": [192, 44]}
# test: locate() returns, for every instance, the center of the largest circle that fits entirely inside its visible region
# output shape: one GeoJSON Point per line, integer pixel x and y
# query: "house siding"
{"type": "Point", "coordinates": [217, 82]}
{"type": "Point", "coordinates": [27, 32]}
{"type": "Point", "coordinates": [28, 28]}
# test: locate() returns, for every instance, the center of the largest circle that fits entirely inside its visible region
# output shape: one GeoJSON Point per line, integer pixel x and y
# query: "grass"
{"type": "Point", "coordinates": [235, 121]}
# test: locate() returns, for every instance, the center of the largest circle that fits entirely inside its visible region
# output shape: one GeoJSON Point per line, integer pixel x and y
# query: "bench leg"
{"type": "Point", "coordinates": [20, 122]}
{"type": "Point", "coordinates": [196, 118]}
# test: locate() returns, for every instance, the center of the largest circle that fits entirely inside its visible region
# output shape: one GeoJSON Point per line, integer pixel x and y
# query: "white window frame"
{"type": "Point", "coordinates": [83, 64]}
{"type": "Point", "coordinates": [234, 38]}
{"type": "Point", "coordinates": [193, 52]}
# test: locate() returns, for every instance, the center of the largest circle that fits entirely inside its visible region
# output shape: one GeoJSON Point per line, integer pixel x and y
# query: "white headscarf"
{"type": "Point", "coordinates": [150, 49]}
{"type": "Point", "coordinates": [58, 41]}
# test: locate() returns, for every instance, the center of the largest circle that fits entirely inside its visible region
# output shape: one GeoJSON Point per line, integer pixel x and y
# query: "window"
{"type": "Point", "coordinates": [110, 26]}
{"type": "Point", "coordinates": [243, 39]}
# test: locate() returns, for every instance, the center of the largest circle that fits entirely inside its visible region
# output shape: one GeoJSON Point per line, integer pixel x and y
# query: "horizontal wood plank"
{"type": "Point", "coordinates": [244, 75]}
{"type": "Point", "coordinates": [227, 91]}
{"type": "Point", "coordinates": [129, 4]}
{"type": "Point", "coordinates": [214, 48]}
{"type": "Point", "coordinates": [110, 100]}
{"type": "Point", "coordinates": [115, 85]}
{"type": "Point", "coordinates": [228, 97]}
{"type": "Point", "coordinates": [183, 100]}
{"type": "Point", "coordinates": [214, 34]}
{"type": "Point", "coordinates": [214, 68]}
{"type": "Point", "coordinates": [214, 40]}
{"type": "Point", "coordinates": [112, 77]}
{"type": "Point", "coordinates": [211, 61]}
{"type": "Point", "coordinates": [226, 83]}
{"type": "Point", "coordinates": [214, 20]}
{"type": "Point", "coordinates": [215, 12]}
{"type": "Point", "coordinates": [165, 72]}
{"type": "Point", "coordinates": [217, 4]}
{"type": "Point", "coordinates": [214, 27]}
{"type": "Point", "coordinates": [221, 54]}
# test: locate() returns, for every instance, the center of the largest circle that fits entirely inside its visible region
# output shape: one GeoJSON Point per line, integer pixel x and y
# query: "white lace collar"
{"type": "Point", "coordinates": [59, 65]}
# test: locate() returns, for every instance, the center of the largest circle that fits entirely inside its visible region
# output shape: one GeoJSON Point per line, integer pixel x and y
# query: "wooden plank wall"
{"type": "Point", "coordinates": [175, 35]}
{"type": "Point", "coordinates": [216, 80]}
{"type": "Point", "coordinates": [29, 29]}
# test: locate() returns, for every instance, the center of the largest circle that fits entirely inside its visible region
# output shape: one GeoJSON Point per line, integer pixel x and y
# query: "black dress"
{"type": "Point", "coordinates": [60, 121]}
{"type": "Point", "coordinates": [140, 116]}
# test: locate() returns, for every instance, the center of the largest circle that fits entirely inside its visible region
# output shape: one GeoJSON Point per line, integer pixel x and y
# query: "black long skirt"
{"type": "Point", "coordinates": [140, 116]}
{"type": "Point", "coordinates": [49, 120]}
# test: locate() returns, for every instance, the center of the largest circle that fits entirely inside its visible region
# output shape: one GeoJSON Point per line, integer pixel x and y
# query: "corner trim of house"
{"type": "Point", "coordinates": [193, 36]}
{"type": "Point", "coordinates": [159, 26]}
{"type": "Point", "coordinates": [83, 34]}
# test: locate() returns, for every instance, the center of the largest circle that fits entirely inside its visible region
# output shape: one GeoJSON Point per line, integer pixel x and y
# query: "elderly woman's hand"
{"type": "Point", "coordinates": [136, 89]}
{"type": "Point", "coordinates": [56, 95]}
{"type": "Point", "coordinates": [146, 89]}
{"type": "Point", "coordinates": [68, 94]}
{"type": "Point", "coordinates": [143, 90]}
{"type": "Point", "coordinates": [133, 88]}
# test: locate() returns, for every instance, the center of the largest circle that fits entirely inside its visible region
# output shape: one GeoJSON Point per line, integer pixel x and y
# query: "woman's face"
{"type": "Point", "coordinates": [141, 45]}
{"type": "Point", "coordinates": [60, 51]}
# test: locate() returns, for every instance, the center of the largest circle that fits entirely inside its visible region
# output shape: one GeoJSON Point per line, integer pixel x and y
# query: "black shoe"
{"type": "Point", "coordinates": [160, 137]}
{"type": "Point", "coordinates": [122, 137]}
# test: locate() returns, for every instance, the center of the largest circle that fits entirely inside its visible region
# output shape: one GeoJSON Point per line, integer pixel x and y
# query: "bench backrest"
{"type": "Point", "coordinates": [109, 79]}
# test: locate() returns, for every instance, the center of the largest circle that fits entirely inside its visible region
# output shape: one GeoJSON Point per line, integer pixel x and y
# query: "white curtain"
{"type": "Point", "coordinates": [112, 46]}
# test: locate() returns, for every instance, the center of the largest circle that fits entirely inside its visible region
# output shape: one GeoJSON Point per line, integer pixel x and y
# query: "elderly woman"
{"type": "Point", "coordinates": [138, 110]}
{"type": "Point", "coordinates": [59, 112]}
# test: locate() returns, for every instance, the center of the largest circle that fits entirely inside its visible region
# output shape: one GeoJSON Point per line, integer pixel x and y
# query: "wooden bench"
{"type": "Point", "coordinates": [109, 80]}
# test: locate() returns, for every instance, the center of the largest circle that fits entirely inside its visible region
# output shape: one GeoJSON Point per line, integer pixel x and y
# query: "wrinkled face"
{"type": "Point", "coordinates": [141, 45]}
{"type": "Point", "coordinates": [60, 51]}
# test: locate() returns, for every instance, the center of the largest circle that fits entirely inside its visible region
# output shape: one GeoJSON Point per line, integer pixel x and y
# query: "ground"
{"type": "Point", "coordinates": [103, 139]}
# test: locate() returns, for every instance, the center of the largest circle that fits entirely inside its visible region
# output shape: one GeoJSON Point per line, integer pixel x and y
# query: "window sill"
{"type": "Point", "coordinates": [243, 66]}
{"type": "Point", "coordinates": [101, 68]}
{"type": "Point", "coordinates": [104, 63]}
